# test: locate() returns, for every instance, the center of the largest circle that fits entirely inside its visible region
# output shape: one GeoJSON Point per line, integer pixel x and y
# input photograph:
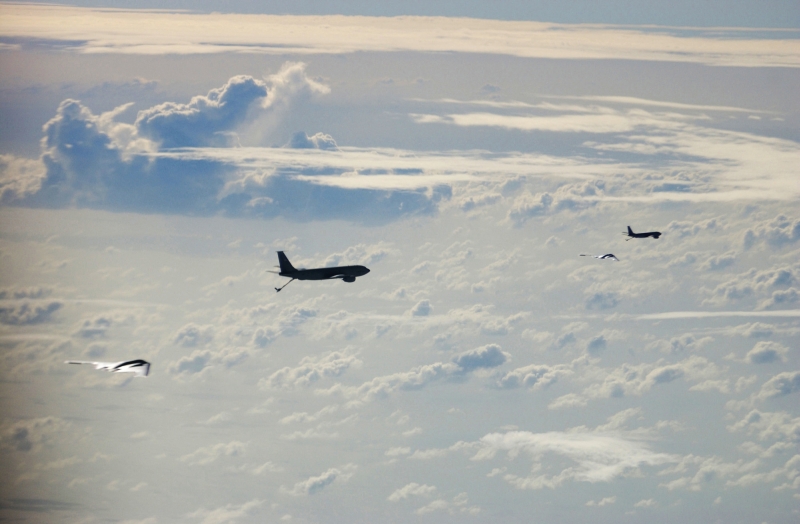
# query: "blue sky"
{"type": "Point", "coordinates": [152, 162]}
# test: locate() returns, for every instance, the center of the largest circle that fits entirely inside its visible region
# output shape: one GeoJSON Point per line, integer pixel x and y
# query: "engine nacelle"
{"type": "Point", "coordinates": [349, 279]}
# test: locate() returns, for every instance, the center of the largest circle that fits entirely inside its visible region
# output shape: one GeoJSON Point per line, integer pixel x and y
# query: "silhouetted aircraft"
{"type": "Point", "coordinates": [631, 234]}
{"type": "Point", "coordinates": [138, 366]}
{"type": "Point", "coordinates": [608, 256]}
{"type": "Point", "coordinates": [346, 273]}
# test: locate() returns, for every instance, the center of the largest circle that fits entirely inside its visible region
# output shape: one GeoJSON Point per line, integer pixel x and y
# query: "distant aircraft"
{"type": "Point", "coordinates": [608, 256]}
{"type": "Point", "coordinates": [346, 273]}
{"type": "Point", "coordinates": [630, 234]}
{"type": "Point", "coordinates": [140, 367]}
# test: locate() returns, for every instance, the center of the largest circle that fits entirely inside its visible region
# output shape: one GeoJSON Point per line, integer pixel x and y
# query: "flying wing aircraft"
{"type": "Point", "coordinates": [608, 256]}
{"type": "Point", "coordinates": [140, 367]}
{"type": "Point", "coordinates": [630, 234]}
{"type": "Point", "coordinates": [346, 273]}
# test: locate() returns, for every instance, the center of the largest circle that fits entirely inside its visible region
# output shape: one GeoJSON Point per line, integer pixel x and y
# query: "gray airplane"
{"type": "Point", "coordinates": [346, 273]}
{"type": "Point", "coordinates": [630, 234]}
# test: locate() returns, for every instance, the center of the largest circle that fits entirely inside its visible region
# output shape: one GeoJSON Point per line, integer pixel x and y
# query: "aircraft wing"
{"type": "Point", "coordinates": [97, 365]}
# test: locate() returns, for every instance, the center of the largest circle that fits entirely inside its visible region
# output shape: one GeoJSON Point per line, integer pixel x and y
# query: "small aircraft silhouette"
{"type": "Point", "coordinates": [138, 366]}
{"type": "Point", "coordinates": [346, 273]}
{"type": "Point", "coordinates": [608, 256]}
{"type": "Point", "coordinates": [630, 234]}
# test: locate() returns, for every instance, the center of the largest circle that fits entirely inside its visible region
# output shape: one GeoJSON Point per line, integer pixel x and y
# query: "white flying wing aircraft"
{"type": "Point", "coordinates": [608, 256]}
{"type": "Point", "coordinates": [140, 367]}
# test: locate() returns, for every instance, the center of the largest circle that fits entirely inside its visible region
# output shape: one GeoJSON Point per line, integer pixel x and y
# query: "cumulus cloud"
{"type": "Point", "coordinates": [30, 434]}
{"type": "Point", "coordinates": [310, 370]}
{"type": "Point", "coordinates": [596, 345]}
{"type": "Point", "coordinates": [193, 363]}
{"type": "Point", "coordinates": [206, 455]}
{"type": "Point", "coordinates": [488, 356]}
{"type": "Point", "coordinates": [485, 357]}
{"type": "Point", "coordinates": [411, 489]}
{"type": "Point", "coordinates": [199, 122]}
{"type": "Point", "coordinates": [602, 502]}
{"type": "Point", "coordinates": [286, 323]}
{"type": "Point", "coordinates": [719, 262]}
{"type": "Point", "coordinates": [423, 308]}
{"type": "Point", "coordinates": [780, 385]}
{"type": "Point", "coordinates": [228, 513]}
{"type": "Point", "coordinates": [680, 343]}
{"type": "Point", "coordinates": [19, 177]}
{"type": "Point", "coordinates": [315, 484]}
{"type": "Point", "coordinates": [775, 426]}
{"type": "Point", "coordinates": [27, 312]}
{"type": "Point", "coordinates": [639, 379]}
{"type": "Point", "coordinates": [191, 335]}
{"type": "Point", "coordinates": [767, 353]}
{"type": "Point", "coordinates": [300, 140]}
{"type": "Point", "coordinates": [534, 376]}
{"type": "Point", "coordinates": [771, 288]}
{"type": "Point", "coordinates": [360, 254]}
{"type": "Point", "coordinates": [602, 300]}
{"type": "Point", "coordinates": [776, 233]}
{"type": "Point", "coordinates": [458, 505]}
{"type": "Point", "coordinates": [569, 196]}
{"type": "Point", "coordinates": [173, 159]}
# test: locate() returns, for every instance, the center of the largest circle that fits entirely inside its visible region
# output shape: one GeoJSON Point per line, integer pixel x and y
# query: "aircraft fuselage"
{"type": "Point", "coordinates": [325, 273]}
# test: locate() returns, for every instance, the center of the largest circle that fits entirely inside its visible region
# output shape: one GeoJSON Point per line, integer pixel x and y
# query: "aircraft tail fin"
{"type": "Point", "coordinates": [286, 266]}
{"type": "Point", "coordinates": [630, 231]}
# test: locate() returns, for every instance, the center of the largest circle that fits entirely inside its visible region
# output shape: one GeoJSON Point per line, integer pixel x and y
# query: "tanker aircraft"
{"type": "Point", "coordinates": [630, 234]}
{"type": "Point", "coordinates": [346, 273]}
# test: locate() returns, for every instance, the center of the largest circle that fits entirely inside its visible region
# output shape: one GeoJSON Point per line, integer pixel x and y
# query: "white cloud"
{"type": "Point", "coordinates": [28, 312]}
{"type": "Point", "coordinates": [597, 457]}
{"type": "Point", "coordinates": [411, 489]}
{"type": "Point", "coordinates": [423, 308]}
{"type": "Point", "coordinates": [766, 352]}
{"type": "Point", "coordinates": [310, 370]}
{"type": "Point", "coordinates": [780, 385]}
{"type": "Point", "coordinates": [639, 379]}
{"type": "Point", "coordinates": [153, 32]}
{"type": "Point", "coordinates": [19, 177]}
{"type": "Point", "coordinates": [230, 513]}
{"type": "Point", "coordinates": [206, 455]}
{"type": "Point", "coordinates": [603, 502]}
{"type": "Point", "coordinates": [313, 485]}
{"type": "Point", "coordinates": [29, 435]}
{"type": "Point", "coordinates": [778, 426]}
{"type": "Point", "coordinates": [485, 357]}
{"type": "Point", "coordinates": [458, 505]}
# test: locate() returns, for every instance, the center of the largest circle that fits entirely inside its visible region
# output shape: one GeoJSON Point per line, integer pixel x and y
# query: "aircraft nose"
{"type": "Point", "coordinates": [366, 270]}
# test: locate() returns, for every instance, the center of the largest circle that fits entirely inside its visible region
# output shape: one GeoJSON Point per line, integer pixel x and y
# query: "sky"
{"type": "Point", "coordinates": [152, 162]}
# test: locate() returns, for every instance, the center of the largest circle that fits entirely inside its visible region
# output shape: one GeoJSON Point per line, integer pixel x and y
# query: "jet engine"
{"type": "Point", "coordinates": [349, 279]}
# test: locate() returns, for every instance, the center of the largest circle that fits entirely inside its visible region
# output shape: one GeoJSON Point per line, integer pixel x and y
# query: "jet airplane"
{"type": "Point", "coordinates": [608, 256]}
{"type": "Point", "coordinates": [140, 367]}
{"type": "Point", "coordinates": [346, 273]}
{"type": "Point", "coordinates": [630, 234]}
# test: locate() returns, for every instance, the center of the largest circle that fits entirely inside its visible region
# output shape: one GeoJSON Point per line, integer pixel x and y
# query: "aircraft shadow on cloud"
{"type": "Point", "coordinates": [141, 368]}
{"type": "Point", "coordinates": [346, 273]}
{"type": "Point", "coordinates": [630, 234]}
